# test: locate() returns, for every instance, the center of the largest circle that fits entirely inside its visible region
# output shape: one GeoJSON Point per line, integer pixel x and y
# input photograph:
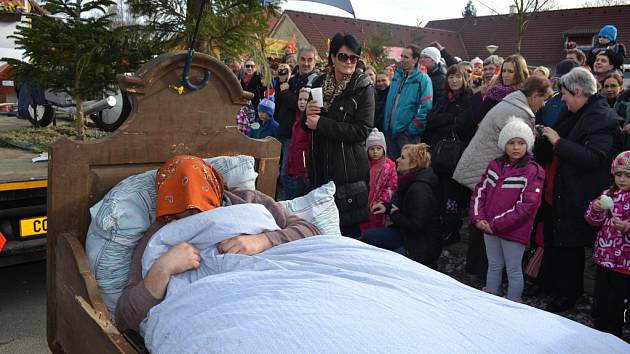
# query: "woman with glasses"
{"type": "Point", "coordinates": [613, 86]}
{"type": "Point", "coordinates": [578, 151]}
{"type": "Point", "coordinates": [252, 82]}
{"type": "Point", "coordinates": [340, 126]}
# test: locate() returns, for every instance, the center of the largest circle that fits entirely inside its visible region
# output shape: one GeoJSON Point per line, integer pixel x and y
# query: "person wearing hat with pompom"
{"type": "Point", "coordinates": [607, 39]}
{"type": "Point", "coordinates": [504, 206]}
{"type": "Point", "coordinates": [383, 177]}
{"type": "Point", "coordinates": [610, 212]}
{"type": "Point", "coordinates": [431, 58]}
{"type": "Point", "coordinates": [267, 125]}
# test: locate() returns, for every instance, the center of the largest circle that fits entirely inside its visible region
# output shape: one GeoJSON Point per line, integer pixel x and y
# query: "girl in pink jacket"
{"type": "Point", "coordinates": [611, 213]}
{"type": "Point", "coordinates": [383, 178]}
{"type": "Point", "coordinates": [504, 206]}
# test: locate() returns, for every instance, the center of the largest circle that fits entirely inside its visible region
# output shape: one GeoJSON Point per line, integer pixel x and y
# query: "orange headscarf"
{"type": "Point", "coordinates": [186, 182]}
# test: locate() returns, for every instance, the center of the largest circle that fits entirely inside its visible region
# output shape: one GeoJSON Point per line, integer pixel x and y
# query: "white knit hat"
{"type": "Point", "coordinates": [433, 53]}
{"type": "Point", "coordinates": [516, 128]}
{"type": "Point", "coordinates": [376, 138]}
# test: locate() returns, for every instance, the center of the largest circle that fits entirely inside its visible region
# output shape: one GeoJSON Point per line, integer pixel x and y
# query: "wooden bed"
{"type": "Point", "coordinates": [163, 123]}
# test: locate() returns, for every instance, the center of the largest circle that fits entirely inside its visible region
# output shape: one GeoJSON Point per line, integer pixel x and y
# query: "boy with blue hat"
{"type": "Point", "coordinates": [267, 125]}
{"type": "Point", "coordinates": [607, 39]}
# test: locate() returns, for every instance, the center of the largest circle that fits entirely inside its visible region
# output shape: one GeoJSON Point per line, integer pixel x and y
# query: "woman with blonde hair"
{"type": "Point", "coordinates": [513, 73]}
{"type": "Point", "coordinates": [415, 229]}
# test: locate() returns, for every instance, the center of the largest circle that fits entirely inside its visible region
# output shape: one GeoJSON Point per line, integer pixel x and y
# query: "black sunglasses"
{"type": "Point", "coordinates": [345, 57]}
{"type": "Point", "coordinates": [250, 66]}
{"type": "Point", "coordinates": [283, 71]}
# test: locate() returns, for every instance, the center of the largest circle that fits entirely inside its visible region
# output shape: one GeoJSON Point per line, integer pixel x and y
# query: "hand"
{"type": "Point", "coordinates": [378, 208]}
{"type": "Point", "coordinates": [597, 206]}
{"type": "Point", "coordinates": [484, 88]}
{"type": "Point", "coordinates": [626, 129]}
{"type": "Point", "coordinates": [245, 244]}
{"type": "Point", "coordinates": [551, 135]}
{"type": "Point", "coordinates": [394, 209]}
{"type": "Point", "coordinates": [178, 259]}
{"type": "Point", "coordinates": [284, 86]}
{"type": "Point", "coordinates": [312, 115]}
{"type": "Point", "coordinates": [620, 225]}
{"type": "Point", "coordinates": [484, 226]}
{"type": "Point", "coordinates": [437, 45]}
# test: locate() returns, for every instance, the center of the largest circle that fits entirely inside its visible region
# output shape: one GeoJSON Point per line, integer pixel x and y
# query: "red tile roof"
{"type": "Point", "coordinates": [318, 28]}
{"type": "Point", "coordinates": [544, 38]}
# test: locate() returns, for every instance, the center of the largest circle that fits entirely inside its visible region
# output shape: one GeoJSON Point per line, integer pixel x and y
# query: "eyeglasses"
{"type": "Point", "coordinates": [345, 57]}
{"type": "Point", "coordinates": [283, 71]}
{"type": "Point", "coordinates": [250, 66]}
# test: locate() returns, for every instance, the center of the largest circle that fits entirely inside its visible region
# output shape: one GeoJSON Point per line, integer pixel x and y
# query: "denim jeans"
{"type": "Point", "coordinates": [388, 238]}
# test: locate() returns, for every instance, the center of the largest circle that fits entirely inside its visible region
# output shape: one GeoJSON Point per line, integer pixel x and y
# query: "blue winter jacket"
{"type": "Point", "coordinates": [549, 114]}
{"type": "Point", "coordinates": [416, 100]}
{"type": "Point", "coordinates": [268, 128]}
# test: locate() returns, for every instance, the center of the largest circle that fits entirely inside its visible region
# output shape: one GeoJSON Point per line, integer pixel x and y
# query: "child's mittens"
{"type": "Point", "coordinates": [606, 202]}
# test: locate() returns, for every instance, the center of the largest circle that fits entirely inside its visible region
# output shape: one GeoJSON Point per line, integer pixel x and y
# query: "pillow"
{"type": "Point", "coordinates": [318, 207]}
{"type": "Point", "coordinates": [120, 219]}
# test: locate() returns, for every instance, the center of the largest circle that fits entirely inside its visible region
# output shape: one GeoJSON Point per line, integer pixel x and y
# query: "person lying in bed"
{"type": "Point", "coordinates": [187, 185]}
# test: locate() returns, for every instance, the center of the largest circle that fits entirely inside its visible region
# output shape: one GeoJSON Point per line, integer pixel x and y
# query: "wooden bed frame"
{"type": "Point", "coordinates": [162, 124]}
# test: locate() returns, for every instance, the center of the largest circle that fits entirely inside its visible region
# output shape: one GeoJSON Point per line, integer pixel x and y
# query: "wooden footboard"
{"type": "Point", "coordinates": [163, 124]}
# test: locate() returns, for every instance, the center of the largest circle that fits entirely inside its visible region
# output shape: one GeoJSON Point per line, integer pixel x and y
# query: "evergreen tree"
{"type": "Point", "coordinates": [229, 28]}
{"type": "Point", "coordinates": [469, 10]}
{"type": "Point", "coordinates": [74, 49]}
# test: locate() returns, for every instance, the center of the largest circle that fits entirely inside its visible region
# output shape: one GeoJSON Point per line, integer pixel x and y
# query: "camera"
{"type": "Point", "coordinates": [476, 82]}
{"type": "Point", "coordinates": [539, 129]}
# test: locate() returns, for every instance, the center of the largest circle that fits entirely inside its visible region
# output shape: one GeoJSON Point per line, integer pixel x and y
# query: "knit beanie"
{"type": "Point", "coordinates": [565, 66]}
{"type": "Point", "coordinates": [516, 128]}
{"type": "Point", "coordinates": [475, 61]}
{"type": "Point", "coordinates": [609, 31]}
{"type": "Point", "coordinates": [433, 53]}
{"type": "Point", "coordinates": [621, 162]}
{"type": "Point", "coordinates": [267, 106]}
{"type": "Point", "coordinates": [376, 138]}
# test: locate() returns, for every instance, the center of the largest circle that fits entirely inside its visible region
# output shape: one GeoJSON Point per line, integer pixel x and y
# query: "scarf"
{"type": "Point", "coordinates": [332, 89]}
{"type": "Point", "coordinates": [245, 79]}
{"type": "Point", "coordinates": [498, 91]}
{"type": "Point", "coordinates": [186, 182]}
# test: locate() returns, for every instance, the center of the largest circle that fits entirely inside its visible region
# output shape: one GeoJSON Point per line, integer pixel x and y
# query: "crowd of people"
{"type": "Point", "coordinates": [529, 157]}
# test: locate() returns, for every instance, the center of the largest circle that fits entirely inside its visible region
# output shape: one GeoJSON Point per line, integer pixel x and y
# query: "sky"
{"type": "Point", "coordinates": [410, 12]}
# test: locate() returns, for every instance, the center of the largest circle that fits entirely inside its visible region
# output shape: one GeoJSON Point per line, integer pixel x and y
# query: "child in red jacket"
{"type": "Point", "coordinates": [504, 206]}
{"type": "Point", "coordinates": [611, 213]}
{"type": "Point", "coordinates": [295, 174]}
{"type": "Point", "coordinates": [383, 178]}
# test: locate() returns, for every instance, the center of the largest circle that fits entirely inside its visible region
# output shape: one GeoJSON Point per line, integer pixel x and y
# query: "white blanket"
{"type": "Point", "coordinates": [330, 294]}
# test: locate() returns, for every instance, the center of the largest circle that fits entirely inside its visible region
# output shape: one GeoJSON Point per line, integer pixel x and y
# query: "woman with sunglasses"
{"type": "Point", "coordinates": [286, 106]}
{"type": "Point", "coordinates": [251, 81]}
{"type": "Point", "coordinates": [340, 125]}
{"type": "Point", "coordinates": [578, 151]}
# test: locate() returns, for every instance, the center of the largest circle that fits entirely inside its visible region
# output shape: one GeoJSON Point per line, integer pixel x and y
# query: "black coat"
{"type": "Point", "coordinates": [345, 126]}
{"type": "Point", "coordinates": [587, 145]}
{"type": "Point", "coordinates": [284, 114]}
{"type": "Point", "coordinates": [256, 87]}
{"type": "Point", "coordinates": [418, 217]}
{"type": "Point", "coordinates": [449, 117]}
{"type": "Point", "coordinates": [438, 82]}
{"type": "Point", "coordinates": [381, 99]}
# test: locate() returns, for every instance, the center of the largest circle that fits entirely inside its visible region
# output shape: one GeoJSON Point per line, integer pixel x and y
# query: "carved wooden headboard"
{"type": "Point", "coordinates": [163, 123]}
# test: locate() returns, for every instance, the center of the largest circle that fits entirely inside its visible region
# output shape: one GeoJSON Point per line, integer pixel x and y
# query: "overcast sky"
{"type": "Point", "coordinates": [409, 12]}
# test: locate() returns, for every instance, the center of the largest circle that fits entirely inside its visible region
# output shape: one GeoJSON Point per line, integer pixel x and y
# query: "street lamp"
{"type": "Point", "coordinates": [492, 48]}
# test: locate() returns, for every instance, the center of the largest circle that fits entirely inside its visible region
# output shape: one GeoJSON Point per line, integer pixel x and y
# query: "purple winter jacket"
{"type": "Point", "coordinates": [508, 197]}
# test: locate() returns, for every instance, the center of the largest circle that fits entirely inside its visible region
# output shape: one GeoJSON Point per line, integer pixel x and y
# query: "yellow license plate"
{"type": "Point", "coordinates": [33, 226]}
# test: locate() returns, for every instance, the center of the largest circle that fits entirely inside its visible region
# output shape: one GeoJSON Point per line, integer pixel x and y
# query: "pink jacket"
{"type": "Point", "coordinates": [508, 197]}
{"type": "Point", "coordinates": [612, 247]}
{"type": "Point", "coordinates": [383, 184]}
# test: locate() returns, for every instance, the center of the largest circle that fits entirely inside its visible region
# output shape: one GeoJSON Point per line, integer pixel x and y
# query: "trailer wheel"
{"type": "Point", "coordinates": [110, 119]}
{"type": "Point", "coordinates": [40, 116]}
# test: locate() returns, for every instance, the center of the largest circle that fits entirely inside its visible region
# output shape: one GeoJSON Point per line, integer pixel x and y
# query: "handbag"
{"type": "Point", "coordinates": [447, 152]}
{"type": "Point", "coordinates": [351, 199]}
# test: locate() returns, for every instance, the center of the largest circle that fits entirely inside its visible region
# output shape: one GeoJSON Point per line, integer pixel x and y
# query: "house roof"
{"type": "Point", "coordinates": [317, 29]}
{"type": "Point", "coordinates": [543, 42]}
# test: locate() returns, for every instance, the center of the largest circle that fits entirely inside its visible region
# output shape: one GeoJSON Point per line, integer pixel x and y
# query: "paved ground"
{"type": "Point", "coordinates": [23, 309]}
